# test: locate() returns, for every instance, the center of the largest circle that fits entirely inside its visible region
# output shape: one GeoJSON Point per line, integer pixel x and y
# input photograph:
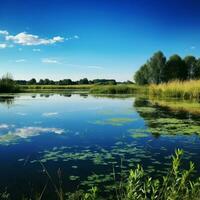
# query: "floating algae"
{"type": "Point", "coordinates": [114, 121]}
{"type": "Point", "coordinates": [73, 178]}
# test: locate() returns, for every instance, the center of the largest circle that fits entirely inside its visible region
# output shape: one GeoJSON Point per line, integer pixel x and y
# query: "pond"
{"type": "Point", "coordinates": [84, 139]}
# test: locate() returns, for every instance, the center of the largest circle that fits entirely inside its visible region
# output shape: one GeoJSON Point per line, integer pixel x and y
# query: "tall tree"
{"type": "Point", "coordinates": [156, 66]}
{"type": "Point", "coordinates": [142, 75]}
{"type": "Point", "coordinates": [175, 68]}
{"type": "Point", "coordinates": [197, 70]}
{"type": "Point", "coordinates": [190, 62]}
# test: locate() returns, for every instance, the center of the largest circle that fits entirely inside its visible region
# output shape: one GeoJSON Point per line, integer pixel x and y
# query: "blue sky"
{"type": "Point", "coordinates": [59, 39]}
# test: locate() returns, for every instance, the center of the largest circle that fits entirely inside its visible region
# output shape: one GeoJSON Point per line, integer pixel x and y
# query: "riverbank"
{"type": "Point", "coordinates": [87, 88]}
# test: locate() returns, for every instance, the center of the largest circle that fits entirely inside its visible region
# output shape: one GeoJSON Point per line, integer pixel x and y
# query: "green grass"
{"type": "Point", "coordinates": [91, 88]}
{"type": "Point", "coordinates": [180, 89]}
{"type": "Point", "coordinates": [117, 89]}
{"type": "Point", "coordinates": [30, 88]}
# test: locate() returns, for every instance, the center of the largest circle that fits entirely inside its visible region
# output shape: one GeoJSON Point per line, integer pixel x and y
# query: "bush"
{"type": "Point", "coordinates": [7, 84]}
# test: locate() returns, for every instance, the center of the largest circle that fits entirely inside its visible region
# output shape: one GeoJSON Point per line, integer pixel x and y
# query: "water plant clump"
{"type": "Point", "coordinates": [136, 183]}
{"type": "Point", "coordinates": [114, 121]}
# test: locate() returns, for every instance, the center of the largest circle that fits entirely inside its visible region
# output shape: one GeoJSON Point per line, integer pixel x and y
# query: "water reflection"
{"type": "Point", "coordinates": [7, 100]}
{"type": "Point", "coordinates": [87, 136]}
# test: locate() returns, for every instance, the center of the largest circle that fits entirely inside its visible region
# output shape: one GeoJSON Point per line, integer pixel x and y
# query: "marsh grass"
{"type": "Point", "coordinates": [117, 89]}
{"type": "Point", "coordinates": [178, 184]}
{"type": "Point", "coordinates": [181, 89]}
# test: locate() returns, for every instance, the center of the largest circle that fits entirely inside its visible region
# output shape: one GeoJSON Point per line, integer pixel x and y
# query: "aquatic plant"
{"type": "Point", "coordinates": [178, 184]}
{"type": "Point", "coordinates": [114, 121]}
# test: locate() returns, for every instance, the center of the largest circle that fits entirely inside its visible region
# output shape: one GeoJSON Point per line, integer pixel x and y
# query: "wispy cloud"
{"type": "Point", "coordinates": [6, 126]}
{"type": "Point", "coordinates": [20, 60]}
{"type": "Point", "coordinates": [75, 37]}
{"type": "Point", "coordinates": [50, 114]}
{"type": "Point", "coordinates": [50, 61]}
{"type": "Point", "coordinates": [4, 32]}
{"type": "Point", "coordinates": [26, 39]}
{"type": "Point", "coordinates": [192, 47]}
{"type": "Point", "coordinates": [94, 67]}
{"type": "Point", "coordinates": [21, 114]}
{"type": "Point", "coordinates": [34, 131]}
{"type": "Point", "coordinates": [36, 50]}
{"type": "Point", "coordinates": [3, 46]}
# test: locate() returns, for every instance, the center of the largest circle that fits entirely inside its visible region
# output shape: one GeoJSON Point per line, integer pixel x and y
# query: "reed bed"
{"type": "Point", "coordinates": [181, 89]}
{"type": "Point", "coordinates": [117, 89]}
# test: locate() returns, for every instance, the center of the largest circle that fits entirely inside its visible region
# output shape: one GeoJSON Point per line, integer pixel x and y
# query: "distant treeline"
{"type": "Point", "coordinates": [160, 70]}
{"type": "Point", "coordinates": [83, 81]}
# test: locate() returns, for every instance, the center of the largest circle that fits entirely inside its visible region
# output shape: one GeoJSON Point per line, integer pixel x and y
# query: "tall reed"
{"type": "Point", "coordinates": [181, 89]}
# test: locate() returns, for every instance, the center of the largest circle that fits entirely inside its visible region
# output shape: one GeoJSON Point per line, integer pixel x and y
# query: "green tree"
{"type": "Point", "coordinates": [156, 66]}
{"type": "Point", "coordinates": [141, 76]}
{"type": "Point", "coordinates": [190, 62]}
{"type": "Point", "coordinates": [84, 81]}
{"type": "Point", "coordinates": [197, 70]}
{"type": "Point", "coordinates": [32, 81]}
{"type": "Point", "coordinates": [175, 68]}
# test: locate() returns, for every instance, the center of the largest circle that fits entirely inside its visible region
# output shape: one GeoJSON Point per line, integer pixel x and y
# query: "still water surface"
{"type": "Point", "coordinates": [86, 137]}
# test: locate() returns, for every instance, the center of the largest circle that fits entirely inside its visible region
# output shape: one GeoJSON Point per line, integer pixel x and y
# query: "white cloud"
{"type": "Point", "coordinates": [76, 37]}
{"type": "Point", "coordinates": [95, 67]}
{"type": "Point", "coordinates": [4, 126]}
{"type": "Point", "coordinates": [20, 60]}
{"type": "Point", "coordinates": [4, 32]}
{"type": "Point", "coordinates": [50, 114]}
{"type": "Point", "coordinates": [3, 46]}
{"type": "Point", "coordinates": [22, 114]}
{"type": "Point", "coordinates": [36, 50]}
{"type": "Point", "coordinates": [34, 131]}
{"type": "Point", "coordinates": [50, 61]}
{"type": "Point", "coordinates": [26, 39]}
{"type": "Point", "coordinates": [192, 47]}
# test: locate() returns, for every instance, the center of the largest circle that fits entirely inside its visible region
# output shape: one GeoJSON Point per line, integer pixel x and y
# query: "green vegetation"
{"type": "Point", "coordinates": [178, 184]}
{"type": "Point", "coordinates": [186, 89]}
{"type": "Point", "coordinates": [8, 85]}
{"type": "Point", "coordinates": [176, 105]}
{"type": "Point", "coordinates": [114, 121]}
{"type": "Point", "coordinates": [117, 89]}
{"type": "Point", "coordinates": [160, 70]}
{"type": "Point", "coordinates": [47, 88]}
{"type": "Point", "coordinates": [166, 122]}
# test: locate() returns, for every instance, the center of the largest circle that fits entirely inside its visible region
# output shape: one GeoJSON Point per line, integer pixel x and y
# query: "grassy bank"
{"type": "Point", "coordinates": [118, 89]}
{"type": "Point", "coordinates": [47, 88]}
{"type": "Point", "coordinates": [180, 89]}
{"type": "Point", "coordinates": [178, 184]}
{"type": "Point", "coordinates": [90, 88]}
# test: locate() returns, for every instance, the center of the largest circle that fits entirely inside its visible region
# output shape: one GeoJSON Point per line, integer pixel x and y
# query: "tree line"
{"type": "Point", "coordinates": [83, 81]}
{"type": "Point", "coordinates": [160, 70]}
